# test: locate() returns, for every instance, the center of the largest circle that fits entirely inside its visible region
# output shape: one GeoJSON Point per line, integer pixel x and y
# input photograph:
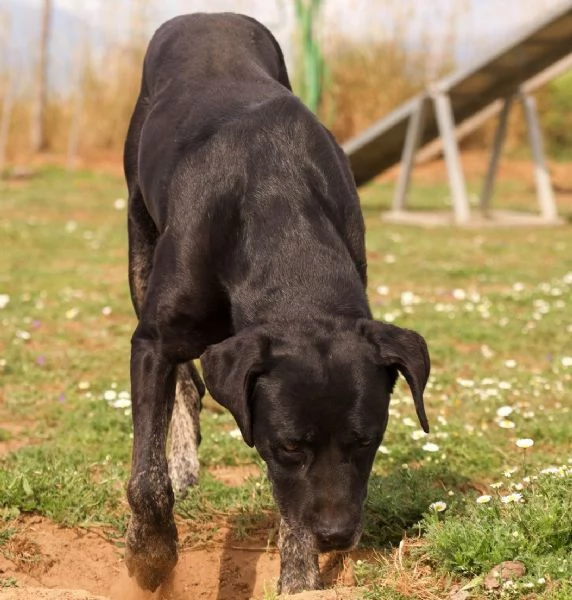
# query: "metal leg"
{"type": "Point", "coordinates": [412, 139]}
{"type": "Point", "coordinates": [500, 135]}
{"type": "Point", "coordinates": [544, 189]}
{"type": "Point", "coordinates": [446, 125]}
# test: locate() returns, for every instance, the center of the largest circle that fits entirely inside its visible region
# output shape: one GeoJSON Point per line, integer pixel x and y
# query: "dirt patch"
{"type": "Point", "coordinates": [334, 594]}
{"type": "Point", "coordinates": [13, 435]}
{"type": "Point", "coordinates": [234, 476]}
{"type": "Point", "coordinates": [43, 556]}
{"type": "Point", "coordinates": [42, 594]}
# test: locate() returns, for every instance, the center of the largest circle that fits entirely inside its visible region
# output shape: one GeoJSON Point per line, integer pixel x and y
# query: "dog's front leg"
{"type": "Point", "coordinates": [151, 536]}
{"type": "Point", "coordinates": [299, 569]}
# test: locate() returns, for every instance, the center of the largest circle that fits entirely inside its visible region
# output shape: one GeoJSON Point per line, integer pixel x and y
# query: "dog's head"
{"type": "Point", "coordinates": [316, 410]}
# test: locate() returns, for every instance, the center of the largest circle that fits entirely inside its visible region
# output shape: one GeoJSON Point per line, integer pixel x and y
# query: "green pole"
{"type": "Point", "coordinates": [312, 60]}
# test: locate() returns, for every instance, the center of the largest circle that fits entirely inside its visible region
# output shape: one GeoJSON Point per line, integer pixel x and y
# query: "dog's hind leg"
{"type": "Point", "coordinates": [185, 429]}
{"type": "Point", "coordinates": [142, 240]}
{"type": "Point", "coordinates": [141, 229]}
{"type": "Point", "coordinates": [299, 569]}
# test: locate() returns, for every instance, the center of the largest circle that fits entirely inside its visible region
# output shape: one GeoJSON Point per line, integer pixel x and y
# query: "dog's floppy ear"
{"type": "Point", "coordinates": [230, 369]}
{"type": "Point", "coordinates": [407, 351]}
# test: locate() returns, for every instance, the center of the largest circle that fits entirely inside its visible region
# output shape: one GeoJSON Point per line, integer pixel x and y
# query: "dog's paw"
{"type": "Point", "coordinates": [295, 582]}
{"type": "Point", "coordinates": [151, 553]}
{"type": "Point", "coordinates": [297, 587]}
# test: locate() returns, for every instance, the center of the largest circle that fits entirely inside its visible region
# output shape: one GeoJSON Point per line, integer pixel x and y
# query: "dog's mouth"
{"type": "Point", "coordinates": [335, 546]}
{"type": "Point", "coordinates": [339, 544]}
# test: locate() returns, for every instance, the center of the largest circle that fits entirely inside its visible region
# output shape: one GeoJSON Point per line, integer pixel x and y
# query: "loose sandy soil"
{"type": "Point", "coordinates": [49, 562]}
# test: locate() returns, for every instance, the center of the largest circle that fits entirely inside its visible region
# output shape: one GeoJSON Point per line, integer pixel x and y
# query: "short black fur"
{"type": "Point", "coordinates": [246, 249]}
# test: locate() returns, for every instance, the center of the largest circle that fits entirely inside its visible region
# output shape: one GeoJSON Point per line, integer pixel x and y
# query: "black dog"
{"type": "Point", "coordinates": [246, 249]}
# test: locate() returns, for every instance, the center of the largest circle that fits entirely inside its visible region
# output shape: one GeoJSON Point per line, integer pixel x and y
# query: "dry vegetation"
{"type": "Point", "coordinates": [364, 80]}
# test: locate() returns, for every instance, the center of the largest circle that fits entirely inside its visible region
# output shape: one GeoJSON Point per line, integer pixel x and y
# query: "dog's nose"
{"type": "Point", "coordinates": [334, 536]}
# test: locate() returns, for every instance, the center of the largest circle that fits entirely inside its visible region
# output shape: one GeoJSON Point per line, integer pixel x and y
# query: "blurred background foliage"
{"type": "Point", "coordinates": [349, 80]}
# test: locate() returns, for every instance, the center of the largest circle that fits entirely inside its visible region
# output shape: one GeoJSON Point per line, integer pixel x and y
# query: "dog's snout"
{"type": "Point", "coordinates": [334, 535]}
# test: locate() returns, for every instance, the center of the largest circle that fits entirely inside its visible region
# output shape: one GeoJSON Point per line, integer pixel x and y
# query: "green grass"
{"type": "Point", "coordinates": [494, 306]}
{"type": "Point", "coordinates": [532, 525]}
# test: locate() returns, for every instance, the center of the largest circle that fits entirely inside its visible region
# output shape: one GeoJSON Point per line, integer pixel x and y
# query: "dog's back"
{"type": "Point", "coordinates": [200, 71]}
{"type": "Point", "coordinates": [217, 127]}
{"type": "Point", "coordinates": [216, 112]}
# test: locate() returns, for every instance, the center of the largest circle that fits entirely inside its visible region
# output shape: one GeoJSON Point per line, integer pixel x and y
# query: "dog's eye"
{"type": "Point", "coordinates": [364, 442]}
{"type": "Point", "coordinates": [291, 453]}
{"type": "Point", "coordinates": [291, 447]}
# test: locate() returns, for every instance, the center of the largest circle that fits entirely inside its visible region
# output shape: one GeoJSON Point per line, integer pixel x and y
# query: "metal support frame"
{"type": "Point", "coordinates": [544, 188]}
{"type": "Point", "coordinates": [446, 124]}
{"type": "Point", "coordinates": [500, 134]}
{"type": "Point", "coordinates": [412, 140]}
